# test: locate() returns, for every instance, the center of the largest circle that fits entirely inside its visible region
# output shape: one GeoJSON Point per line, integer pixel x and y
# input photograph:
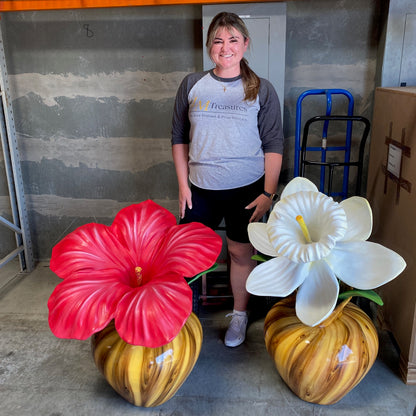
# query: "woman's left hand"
{"type": "Point", "coordinates": [261, 204]}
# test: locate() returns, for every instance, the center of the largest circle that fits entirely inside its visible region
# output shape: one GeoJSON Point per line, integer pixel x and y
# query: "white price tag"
{"type": "Point", "coordinates": [394, 160]}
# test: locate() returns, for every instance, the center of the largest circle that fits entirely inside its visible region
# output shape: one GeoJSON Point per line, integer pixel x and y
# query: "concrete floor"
{"type": "Point", "coordinates": [44, 375]}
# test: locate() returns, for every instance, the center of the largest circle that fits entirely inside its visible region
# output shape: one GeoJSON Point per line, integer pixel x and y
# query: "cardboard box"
{"type": "Point", "coordinates": [391, 191]}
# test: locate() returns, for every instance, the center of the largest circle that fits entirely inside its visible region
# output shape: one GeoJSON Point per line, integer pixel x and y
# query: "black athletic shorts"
{"type": "Point", "coordinates": [211, 207]}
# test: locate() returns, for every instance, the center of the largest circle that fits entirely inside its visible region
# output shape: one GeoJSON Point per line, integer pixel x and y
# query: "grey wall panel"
{"type": "Point", "coordinates": [93, 93]}
{"type": "Point", "coordinates": [93, 117]}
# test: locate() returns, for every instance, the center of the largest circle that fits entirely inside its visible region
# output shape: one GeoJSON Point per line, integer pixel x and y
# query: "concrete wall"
{"type": "Point", "coordinates": [93, 92]}
{"type": "Point", "coordinates": [330, 45]}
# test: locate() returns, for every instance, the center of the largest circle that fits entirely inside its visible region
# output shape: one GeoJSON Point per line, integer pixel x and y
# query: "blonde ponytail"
{"type": "Point", "coordinates": [250, 80]}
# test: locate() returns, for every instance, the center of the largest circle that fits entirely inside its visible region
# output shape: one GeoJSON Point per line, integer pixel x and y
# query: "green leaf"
{"type": "Point", "coordinates": [261, 257]}
{"type": "Point", "coordinates": [211, 269]}
{"type": "Point", "coordinates": [369, 294]}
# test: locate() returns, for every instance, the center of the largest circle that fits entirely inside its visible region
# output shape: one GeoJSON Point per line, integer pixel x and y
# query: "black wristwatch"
{"type": "Point", "coordinates": [272, 197]}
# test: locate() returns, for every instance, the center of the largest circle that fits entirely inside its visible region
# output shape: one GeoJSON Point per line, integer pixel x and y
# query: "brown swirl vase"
{"type": "Point", "coordinates": [147, 376]}
{"type": "Point", "coordinates": [321, 364]}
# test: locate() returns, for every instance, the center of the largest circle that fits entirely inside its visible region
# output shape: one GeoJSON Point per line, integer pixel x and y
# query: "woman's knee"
{"type": "Point", "coordinates": [240, 253]}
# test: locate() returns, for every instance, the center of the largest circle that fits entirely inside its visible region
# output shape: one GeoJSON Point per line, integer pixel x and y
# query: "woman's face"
{"type": "Point", "coordinates": [227, 50]}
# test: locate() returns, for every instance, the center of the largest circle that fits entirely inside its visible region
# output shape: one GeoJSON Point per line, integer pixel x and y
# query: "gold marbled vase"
{"type": "Point", "coordinates": [321, 364]}
{"type": "Point", "coordinates": [145, 376]}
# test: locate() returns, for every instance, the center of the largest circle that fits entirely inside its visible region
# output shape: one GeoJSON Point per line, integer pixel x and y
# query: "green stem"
{"type": "Point", "coordinates": [369, 294]}
{"type": "Point", "coordinates": [211, 269]}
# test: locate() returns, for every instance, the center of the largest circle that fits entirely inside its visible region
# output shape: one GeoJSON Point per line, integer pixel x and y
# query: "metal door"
{"type": "Point", "coordinates": [408, 64]}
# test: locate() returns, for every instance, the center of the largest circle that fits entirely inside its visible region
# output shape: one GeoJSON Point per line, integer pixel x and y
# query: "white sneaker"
{"type": "Point", "coordinates": [236, 333]}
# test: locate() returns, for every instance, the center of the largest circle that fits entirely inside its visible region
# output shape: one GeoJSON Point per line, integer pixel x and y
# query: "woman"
{"type": "Point", "coordinates": [227, 144]}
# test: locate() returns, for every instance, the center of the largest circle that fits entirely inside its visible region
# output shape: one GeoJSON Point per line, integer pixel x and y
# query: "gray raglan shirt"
{"type": "Point", "coordinates": [227, 136]}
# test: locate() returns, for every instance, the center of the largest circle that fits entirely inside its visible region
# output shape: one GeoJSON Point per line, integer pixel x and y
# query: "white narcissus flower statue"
{"type": "Point", "coordinates": [314, 241]}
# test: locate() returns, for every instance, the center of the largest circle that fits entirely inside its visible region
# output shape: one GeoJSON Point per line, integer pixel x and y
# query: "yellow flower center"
{"type": "Point", "coordinates": [139, 275]}
{"type": "Point", "coordinates": [304, 228]}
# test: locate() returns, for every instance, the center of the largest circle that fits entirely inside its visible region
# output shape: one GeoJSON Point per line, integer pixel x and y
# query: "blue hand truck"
{"type": "Point", "coordinates": [301, 146]}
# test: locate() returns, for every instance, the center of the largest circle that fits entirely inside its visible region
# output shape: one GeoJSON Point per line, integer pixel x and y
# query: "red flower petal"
{"type": "Point", "coordinates": [91, 247]}
{"type": "Point", "coordinates": [141, 228]}
{"type": "Point", "coordinates": [152, 315]}
{"type": "Point", "coordinates": [81, 305]}
{"type": "Point", "coordinates": [188, 250]}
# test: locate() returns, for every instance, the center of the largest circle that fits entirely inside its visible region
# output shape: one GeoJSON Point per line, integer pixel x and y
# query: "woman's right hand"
{"type": "Point", "coordinates": [180, 154]}
{"type": "Point", "coordinates": [185, 199]}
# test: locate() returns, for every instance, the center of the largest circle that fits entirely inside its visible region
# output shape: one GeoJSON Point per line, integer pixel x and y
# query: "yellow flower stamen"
{"type": "Point", "coordinates": [304, 228]}
{"type": "Point", "coordinates": [139, 276]}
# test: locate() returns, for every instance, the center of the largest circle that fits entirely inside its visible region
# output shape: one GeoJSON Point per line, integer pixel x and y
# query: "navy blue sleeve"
{"type": "Point", "coordinates": [269, 119]}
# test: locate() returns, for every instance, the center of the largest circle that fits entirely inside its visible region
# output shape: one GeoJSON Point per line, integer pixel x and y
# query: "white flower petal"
{"type": "Point", "coordinates": [317, 296]}
{"type": "Point", "coordinates": [365, 265]}
{"type": "Point", "coordinates": [359, 218]}
{"type": "Point", "coordinates": [257, 234]}
{"type": "Point", "coordinates": [324, 218]}
{"type": "Point", "coordinates": [276, 277]}
{"type": "Point", "coordinates": [298, 184]}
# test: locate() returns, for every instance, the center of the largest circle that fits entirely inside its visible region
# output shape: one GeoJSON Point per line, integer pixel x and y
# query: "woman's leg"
{"type": "Point", "coordinates": [241, 266]}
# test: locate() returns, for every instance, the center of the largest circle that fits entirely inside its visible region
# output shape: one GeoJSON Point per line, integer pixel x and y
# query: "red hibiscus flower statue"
{"type": "Point", "coordinates": [133, 272]}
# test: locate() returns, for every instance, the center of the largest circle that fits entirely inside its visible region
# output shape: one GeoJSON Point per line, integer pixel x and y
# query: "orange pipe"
{"type": "Point", "coordinates": [20, 5]}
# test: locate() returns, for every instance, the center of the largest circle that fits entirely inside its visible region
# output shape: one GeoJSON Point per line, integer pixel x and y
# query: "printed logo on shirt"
{"type": "Point", "coordinates": [214, 106]}
{"type": "Point", "coordinates": [199, 104]}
